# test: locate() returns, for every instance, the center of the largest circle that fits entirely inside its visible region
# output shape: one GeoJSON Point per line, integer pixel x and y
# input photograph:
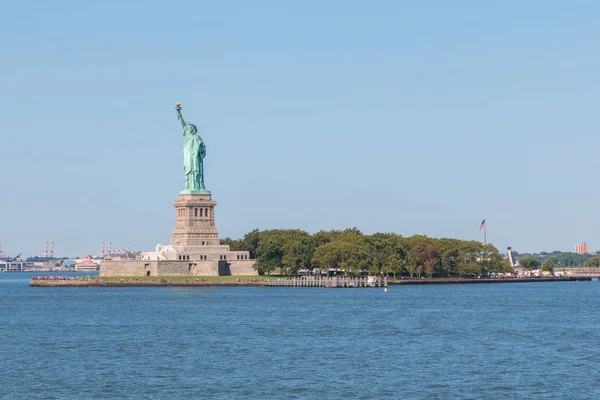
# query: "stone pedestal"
{"type": "Point", "coordinates": [195, 248]}
{"type": "Point", "coordinates": [194, 221]}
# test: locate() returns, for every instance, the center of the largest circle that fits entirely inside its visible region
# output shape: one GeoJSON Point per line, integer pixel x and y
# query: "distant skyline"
{"type": "Point", "coordinates": [410, 117]}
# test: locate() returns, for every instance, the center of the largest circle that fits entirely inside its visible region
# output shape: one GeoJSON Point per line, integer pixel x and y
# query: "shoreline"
{"type": "Point", "coordinates": [166, 282]}
{"type": "Point", "coordinates": [448, 281]}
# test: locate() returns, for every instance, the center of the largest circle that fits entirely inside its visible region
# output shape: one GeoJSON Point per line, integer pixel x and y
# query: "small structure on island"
{"type": "Point", "coordinates": [195, 248]}
{"type": "Point", "coordinates": [68, 264]}
{"type": "Point", "coordinates": [86, 264]}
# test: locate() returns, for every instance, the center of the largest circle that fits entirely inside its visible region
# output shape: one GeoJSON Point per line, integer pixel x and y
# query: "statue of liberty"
{"type": "Point", "coordinates": [194, 152]}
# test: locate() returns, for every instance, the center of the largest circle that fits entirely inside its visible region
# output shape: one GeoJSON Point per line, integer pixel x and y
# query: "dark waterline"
{"type": "Point", "coordinates": [525, 340]}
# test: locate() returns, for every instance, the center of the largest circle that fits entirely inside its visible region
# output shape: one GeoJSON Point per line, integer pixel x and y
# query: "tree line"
{"type": "Point", "coordinates": [556, 259]}
{"type": "Point", "coordinates": [352, 252]}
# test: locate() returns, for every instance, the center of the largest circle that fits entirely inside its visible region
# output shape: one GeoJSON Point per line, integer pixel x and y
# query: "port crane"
{"type": "Point", "coordinates": [9, 259]}
{"type": "Point", "coordinates": [5, 257]}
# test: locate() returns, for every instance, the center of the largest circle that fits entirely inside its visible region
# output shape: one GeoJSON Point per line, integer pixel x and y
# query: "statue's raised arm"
{"type": "Point", "coordinates": [179, 116]}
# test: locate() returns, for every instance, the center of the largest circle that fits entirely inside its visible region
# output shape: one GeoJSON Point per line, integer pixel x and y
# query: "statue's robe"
{"type": "Point", "coordinates": [194, 151]}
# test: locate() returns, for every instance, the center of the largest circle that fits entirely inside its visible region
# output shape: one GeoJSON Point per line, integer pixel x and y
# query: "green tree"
{"type": "Point", "coordinates": [413, 266]}
{"type": "Point", "coordinates": [449, 262]}
{"type": "Point", "coordinates": [449, 250]}
{"type": "Point", "coordinates": [387, 253]}
{"type": "Point", "coordinates": [394, 264]}
{"type": "Point", "coordinates": [347, 251]}
{"type": "Point", "coordinates": [593, 262]}
{"type": "Point", "coordinates": [288, 249]}
{"type": "Point", "coordinates": [298, 249]}
{"type": "Point", "coordinates": [250, 242]}
{"type": "Point", "coordinates": [505, 267]}
{"type": "Point", "coordinates": [529, 262]}
{"type": "Point", "coordinates": [234, 244]}
{"type": "Point", "coordinates": [469, 269]}
{"type": "Point", "coordinates": [548, 266]}
{"type": "Point", "coordinates": [269, 252]}
{"type": "Point", "coordinates": [494, 261]}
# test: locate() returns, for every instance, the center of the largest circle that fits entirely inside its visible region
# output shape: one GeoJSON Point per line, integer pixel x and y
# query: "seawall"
{"type": "Point", "coordinates": [99, 282]}
{"type": "Point", "coordinates": [192, 282]}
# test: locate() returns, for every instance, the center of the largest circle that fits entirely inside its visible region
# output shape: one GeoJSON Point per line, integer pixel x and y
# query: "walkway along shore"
{"type": "Point", "coordinates": [53, 281]}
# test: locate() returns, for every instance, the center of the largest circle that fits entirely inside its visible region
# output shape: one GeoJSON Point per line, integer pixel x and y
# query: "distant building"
{"type": "Point", "coordinates": [14, 266]}
{"type": "Point", "coordinates": [86, 264]}
{"type": "Point", "coordinates": [581, 248]}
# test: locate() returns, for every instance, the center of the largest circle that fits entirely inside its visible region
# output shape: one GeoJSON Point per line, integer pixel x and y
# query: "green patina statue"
{"type": "Point", "coordinates": [194, 152]}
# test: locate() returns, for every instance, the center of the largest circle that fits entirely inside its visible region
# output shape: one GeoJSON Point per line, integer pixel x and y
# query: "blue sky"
{"type": "Point", "coordinates": [397, 116]}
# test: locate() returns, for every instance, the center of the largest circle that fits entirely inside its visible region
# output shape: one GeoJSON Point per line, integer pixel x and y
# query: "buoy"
{"type": "Point", "coordinates": [385, 289]}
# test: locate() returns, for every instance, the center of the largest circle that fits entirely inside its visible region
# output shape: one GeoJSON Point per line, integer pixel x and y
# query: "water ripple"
{"type": "Point", "coordinates": [536, 340]}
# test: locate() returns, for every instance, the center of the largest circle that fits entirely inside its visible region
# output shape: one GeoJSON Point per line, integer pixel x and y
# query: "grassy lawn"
{"type": "Point", "coordinates": [191, 278]}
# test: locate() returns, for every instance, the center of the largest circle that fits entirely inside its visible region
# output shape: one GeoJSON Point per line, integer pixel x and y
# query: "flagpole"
{"type": "Point", "coordinates": [485, 233]}
{"type": "Point", "coordinates": [485, 246]}
{"type": "Point", "coordinates": [483, 226]}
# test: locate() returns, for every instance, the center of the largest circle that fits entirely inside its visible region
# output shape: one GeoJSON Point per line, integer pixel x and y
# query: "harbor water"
{"type": "Point", "coordinates": [521, 340]}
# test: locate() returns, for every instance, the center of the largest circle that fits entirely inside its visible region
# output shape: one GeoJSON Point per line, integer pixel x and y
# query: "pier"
{"type": "Point", "coordinates": [329, 282]}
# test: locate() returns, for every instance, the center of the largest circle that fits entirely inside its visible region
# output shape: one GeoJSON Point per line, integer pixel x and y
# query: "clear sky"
{"type": "Point", "coordinates": [408, 116]}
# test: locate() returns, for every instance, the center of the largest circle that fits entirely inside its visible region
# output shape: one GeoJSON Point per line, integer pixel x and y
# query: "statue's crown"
{"type": "Point", "coordinates": [193, 127]}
